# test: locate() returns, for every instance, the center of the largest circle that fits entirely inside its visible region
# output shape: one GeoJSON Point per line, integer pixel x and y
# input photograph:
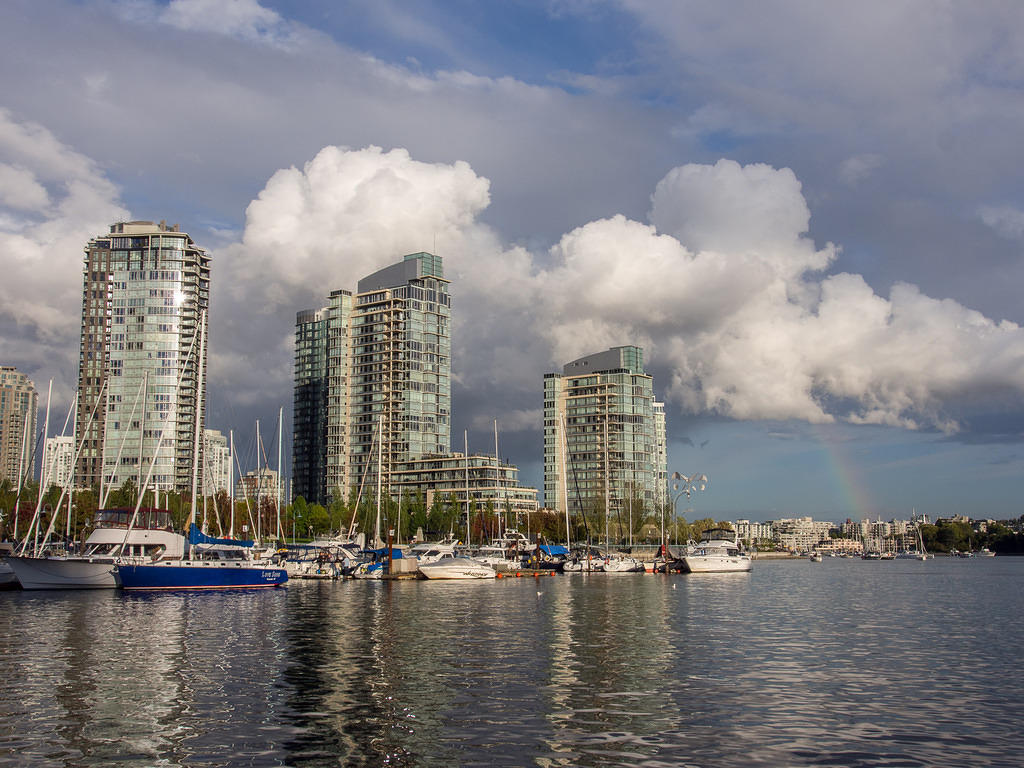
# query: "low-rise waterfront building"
{"type": "Point", "coordinates": [840, 546]}
{"type": "Point", "coordinates": [754, 532]}
{"type": "Point", "coordinates": [482, 477]}
{"type": "Point", "coordinates": [258, 484]}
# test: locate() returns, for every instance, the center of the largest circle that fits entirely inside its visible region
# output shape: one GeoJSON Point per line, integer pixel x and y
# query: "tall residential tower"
{"type": "Point", "coordinates": [604, 434]}
{"type": "Point", "coordinates": [375, 361]}
{"type": "Point", "coordinates": [144, 289]}
{"type": "Point", "coordinates": [18, 408]}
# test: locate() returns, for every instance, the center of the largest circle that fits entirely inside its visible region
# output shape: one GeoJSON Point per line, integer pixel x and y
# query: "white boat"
{"type": "Point", "coordinates": [718, 551]}
{"type": "Point", "coordinates": [457, 567]}
{"type": "Point", "coordinates": [320, 559]}
{"type": "Point", "coordinates": [7, 578]}
{"type": "Point", "coordinates": [587, 560]}
{"type": "Point", "coordinates": [816, 557]}
{"type": "Point", "coordinates": [986, 552]}
{"type": "Point", "coordinates": [432, 551]}
{"type": "Point", "coordinates": [621, 564]}
{"type": "Point", "coordinates": [504, 554]}
{"type": "Point", "coordinates": [151, 539]}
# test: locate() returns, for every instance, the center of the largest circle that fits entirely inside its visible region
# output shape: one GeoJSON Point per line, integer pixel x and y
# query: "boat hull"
{"type": "Point", "coordinates": [63, 573]}
{"type": "Point", "coordinates": [449, 568]}
{"type": "Point", "coordinates": [703, 564]}
{"type": "Point", "coordinates": [199, 574]}
{"type": "Point", "coordinates": [626, 565]}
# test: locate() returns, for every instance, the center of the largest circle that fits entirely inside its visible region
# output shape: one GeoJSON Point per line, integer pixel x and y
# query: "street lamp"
{"type": "Point", "coordinates": [682, 486]}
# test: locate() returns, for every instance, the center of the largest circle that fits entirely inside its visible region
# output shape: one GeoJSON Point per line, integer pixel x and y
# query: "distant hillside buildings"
{"type": "Point", "coordinates": [803, 534]}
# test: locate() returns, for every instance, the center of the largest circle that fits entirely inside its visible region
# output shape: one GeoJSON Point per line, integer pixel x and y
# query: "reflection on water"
{"type": "Point", "coordinates": [844, 663]}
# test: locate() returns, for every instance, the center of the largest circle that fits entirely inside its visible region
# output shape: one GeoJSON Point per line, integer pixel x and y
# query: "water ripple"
{"type": "Point", "coordinates": [840, 664]}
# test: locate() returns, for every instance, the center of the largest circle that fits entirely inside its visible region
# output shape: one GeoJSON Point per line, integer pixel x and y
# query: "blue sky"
{"type": "Point", "coordinates": [810, 215]}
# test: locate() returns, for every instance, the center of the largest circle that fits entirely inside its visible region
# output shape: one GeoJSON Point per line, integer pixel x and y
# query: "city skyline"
{"type": "Point", "coordinates": [812, 224]}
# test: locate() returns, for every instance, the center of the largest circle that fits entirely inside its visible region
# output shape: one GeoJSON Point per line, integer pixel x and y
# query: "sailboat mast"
{"type": "Point", "coordinates": [42, 473]}
{"type": "Point", "coordinates": [607, 483]}
{"type": "Point", "coordinates": [465, 439]}
{"type": "Point", "coordinates": [380, 475]}
{"type": "Point", "coordinates": [142, 430]}
{"type": "Point", "coordinates": [565, 483]}
{"type": "Point", "coordinates": [280, 471]}
{"type": "Point", "coordinates": [231, 481]}
{"type": "Point", "coordinates": [199, 417]}
{"type": "Point", "coordinates": [21, 473]}
{"type": "Point", "coordinates": [259, 483]}
{"type": "Point", "coordinates": [71, 473]}
{"type": "Point", "coordinates": [497, 476]}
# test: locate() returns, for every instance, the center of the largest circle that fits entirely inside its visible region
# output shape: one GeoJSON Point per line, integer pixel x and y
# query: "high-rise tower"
{"type": "Point", "coordinates": [603, 434]}
{"type": "Point", "coordinates": [145, 286]}
{"type": "Point", "coordinates": [18, 408]}
{"type": "Point", "coordinates": [378, 360]}
{"type": "Point", "coordinates": [321, 399]}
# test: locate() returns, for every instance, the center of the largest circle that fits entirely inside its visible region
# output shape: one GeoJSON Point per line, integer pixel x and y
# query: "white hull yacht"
{"type": "Point", "coordinates": [718, 551]}
{"type": "Point", "coordinates": [457, 567]}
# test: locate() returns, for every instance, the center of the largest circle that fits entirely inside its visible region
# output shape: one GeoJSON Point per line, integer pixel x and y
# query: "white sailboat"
{"type": "Point", "coordinates": [115, 539]}
{"type": "Point", "coordinates": [111, 542]}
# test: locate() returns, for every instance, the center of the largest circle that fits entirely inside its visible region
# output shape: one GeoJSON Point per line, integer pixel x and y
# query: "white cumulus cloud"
{"type": "Point", "coordinates": [724, 289]}
{"type": "Point", "coordinates": [724, 292]}
{"type": "Point", "coordinates": [729, 296]}
{"type": "Point", "coordinates": [52, 201]}
{"type": "Point", "coordinates": [245, 19]}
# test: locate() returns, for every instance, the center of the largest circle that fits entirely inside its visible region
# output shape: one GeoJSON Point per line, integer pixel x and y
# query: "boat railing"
{"type": "Point", "coordinates": [148, 518]}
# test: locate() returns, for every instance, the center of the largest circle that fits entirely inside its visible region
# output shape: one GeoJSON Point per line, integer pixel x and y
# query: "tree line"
{"type": "Point", "coordinates": [404, 516]}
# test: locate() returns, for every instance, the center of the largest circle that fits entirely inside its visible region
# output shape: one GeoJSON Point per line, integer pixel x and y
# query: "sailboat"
{"type": "Point", "coordinates": [211, 563]}
{"type": "Point", "coordinates": [114, 539]}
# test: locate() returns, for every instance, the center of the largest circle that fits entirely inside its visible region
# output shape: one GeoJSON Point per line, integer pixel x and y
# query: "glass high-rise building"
{"type": "Point", "coordinates": [321, 398]}
{"type": "Point", "coordinates": [377, 360]}
{"type": "Point", "coordinates": [604, 434]}
{"type": "Point", "coordinates": [145, 286]}
{"type": "Point", "coordinates": [19, 405]}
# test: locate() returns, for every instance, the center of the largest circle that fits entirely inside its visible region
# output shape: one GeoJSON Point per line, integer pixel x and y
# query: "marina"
{"type": "Point", "coordinates": [791, 664]}
{"type": "Point", "coordinates": [538, 383]}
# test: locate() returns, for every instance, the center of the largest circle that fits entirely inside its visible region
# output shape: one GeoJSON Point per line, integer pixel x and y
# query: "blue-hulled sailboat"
{"type": "Point", "coordinates": [211, 563]}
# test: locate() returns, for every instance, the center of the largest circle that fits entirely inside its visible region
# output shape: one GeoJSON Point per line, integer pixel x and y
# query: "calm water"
{"type": "Point", "coordinates": [843, 663]}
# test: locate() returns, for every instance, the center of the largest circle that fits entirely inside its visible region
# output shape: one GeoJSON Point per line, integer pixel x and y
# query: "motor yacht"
{"type": "Point", "coordinates": [453, 566]}
{"type": "Point", "coordinates": [718, 551]}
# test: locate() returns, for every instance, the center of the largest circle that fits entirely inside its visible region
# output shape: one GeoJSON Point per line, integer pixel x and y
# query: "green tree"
{"type": "Point", "coordinates": [319, 520]}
